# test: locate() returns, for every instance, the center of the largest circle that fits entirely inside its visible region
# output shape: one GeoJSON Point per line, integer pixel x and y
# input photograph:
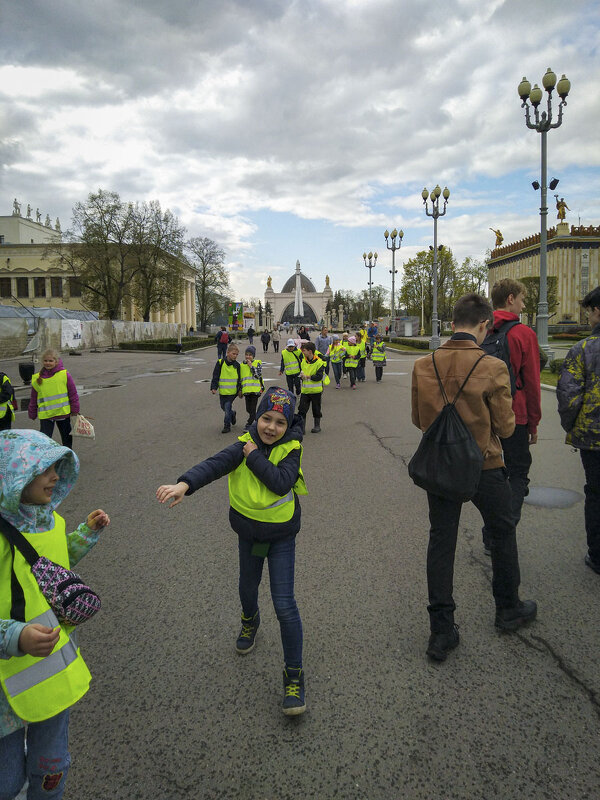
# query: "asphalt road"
{"type": "Point", "coordinates": [174, 712]}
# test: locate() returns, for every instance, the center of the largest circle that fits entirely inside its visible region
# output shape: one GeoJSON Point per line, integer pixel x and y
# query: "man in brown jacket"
{"type": "Point", "coordinates": [485, 406]}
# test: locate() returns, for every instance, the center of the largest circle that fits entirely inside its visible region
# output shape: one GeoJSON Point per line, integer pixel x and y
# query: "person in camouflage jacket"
{"type": "Point", "coordinates": [578, 394]}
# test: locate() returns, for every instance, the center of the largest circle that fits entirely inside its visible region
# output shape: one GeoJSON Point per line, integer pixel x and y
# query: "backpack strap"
{"type": "Point", "coordinates": [441, 385]}
{"type": "Point", "coordinates": [16, 539]}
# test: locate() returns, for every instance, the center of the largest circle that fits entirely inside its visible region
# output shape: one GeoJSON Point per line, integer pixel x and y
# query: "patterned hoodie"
{"type": "Point", "coordinates": [578, 393]}
{"type": "Point", "coordinates": [24, 455]}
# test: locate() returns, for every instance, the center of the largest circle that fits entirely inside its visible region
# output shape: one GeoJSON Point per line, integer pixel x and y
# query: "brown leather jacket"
{"type": "Point", "coordinates": [485, 404]}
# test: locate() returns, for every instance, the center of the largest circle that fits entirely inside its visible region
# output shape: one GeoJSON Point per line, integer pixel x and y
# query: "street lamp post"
{"type": "Point", "coordinates": [543, 123]}
{"type": "Point", "coordinates": [422, 333]}
{"type": "Point", "coordinates": [434, 342]}
{"type": "Point", "coordinates": [395, 235]}
{"type": "Point", "coordinates": [372, 262]}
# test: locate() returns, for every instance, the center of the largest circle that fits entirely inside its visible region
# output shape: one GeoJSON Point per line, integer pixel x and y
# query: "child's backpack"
{"type": "Point", "coordinates": [496, 344]}
{"type": "Point", "coordinates": [224, 337]}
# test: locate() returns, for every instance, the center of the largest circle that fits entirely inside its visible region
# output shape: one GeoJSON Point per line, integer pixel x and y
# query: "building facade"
{"type": "Point", "coordinates": [29, 278]}
{"type": "Point", "coordinates": [298, 302]}
{"type": "Point", "coordinates": [573, 257]}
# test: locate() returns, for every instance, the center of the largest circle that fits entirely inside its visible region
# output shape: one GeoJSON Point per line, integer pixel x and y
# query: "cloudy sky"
{"type": "Point", "coordinates": [301, 129]}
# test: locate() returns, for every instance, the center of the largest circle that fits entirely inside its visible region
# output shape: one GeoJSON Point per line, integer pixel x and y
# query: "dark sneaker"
{"type": "Point", "coordinates": [510, 619]}
{"type": "Point", "coordinates": [440, 644]}
{"type": "Point", "coordinates": [592, 564]}
{"type": "Point", "coordinates": [246, 639]}
{"type": "Point", "coordinates": [293, 692]}
{"type": "Point", "coordinates": [316, 428]}
{"type": "Point", "coordinates": [226, 429]}
{"type": "Point", "coordinates": [233, 417]}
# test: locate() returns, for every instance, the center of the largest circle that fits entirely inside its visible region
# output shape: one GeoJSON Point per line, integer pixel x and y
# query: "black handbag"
{"type": "Point", "coordinates": [448, 460]}
{"type": "Point", "coordinates": [68, 596]}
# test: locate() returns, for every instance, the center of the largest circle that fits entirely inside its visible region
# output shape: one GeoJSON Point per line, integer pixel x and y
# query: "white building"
{"type": "Point", "coordinates": [286, 303]}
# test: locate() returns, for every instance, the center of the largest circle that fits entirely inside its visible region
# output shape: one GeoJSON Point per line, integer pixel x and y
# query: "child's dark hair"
{"type": "Point", "coordinates": [471, 309]}
{"type": "Point", "coordinates": [505, 287]}
{"type": "Point", "coordinates": [592, 299]}
{"type": "Point", "coordinates": [309, 346]}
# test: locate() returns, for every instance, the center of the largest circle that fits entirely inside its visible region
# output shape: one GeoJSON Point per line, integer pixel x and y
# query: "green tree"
{"type": "Point", "coordinates": [417, 279]}
{"type": "Point", "coordinates": [532, 298]}
{"type": "Point", "coordinates": [206, 259]}
{"type": "Point", "coordinates": [471, 276]}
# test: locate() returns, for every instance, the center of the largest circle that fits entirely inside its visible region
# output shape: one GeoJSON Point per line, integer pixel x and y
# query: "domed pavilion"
{"type": "Point", "coordinates": [298, 302]}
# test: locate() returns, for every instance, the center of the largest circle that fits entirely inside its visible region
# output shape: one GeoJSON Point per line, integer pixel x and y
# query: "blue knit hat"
{"type": "Point", "coordinates": [276, 399]}
{"type": "Point", "coordinates": [251, 349]}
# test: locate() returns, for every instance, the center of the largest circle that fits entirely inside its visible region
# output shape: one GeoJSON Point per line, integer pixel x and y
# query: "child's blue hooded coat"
{"type": "Point", "coordinates": [25, 454]}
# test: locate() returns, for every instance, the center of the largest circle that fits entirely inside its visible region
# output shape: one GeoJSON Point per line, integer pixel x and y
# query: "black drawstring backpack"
{"type": "Point", "coordinates": [448, 461]}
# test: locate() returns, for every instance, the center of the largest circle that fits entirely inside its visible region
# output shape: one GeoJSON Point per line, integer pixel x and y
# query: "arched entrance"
{"type": "Point", "coordinates": [309, 318]}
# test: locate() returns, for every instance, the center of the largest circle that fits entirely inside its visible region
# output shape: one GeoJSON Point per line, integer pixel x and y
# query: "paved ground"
{"type": "Point", "coordinates": [174, 713]}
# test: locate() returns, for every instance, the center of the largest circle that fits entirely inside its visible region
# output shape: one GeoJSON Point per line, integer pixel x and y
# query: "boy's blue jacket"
{"type": "Point", "coordinates": [278, 478]}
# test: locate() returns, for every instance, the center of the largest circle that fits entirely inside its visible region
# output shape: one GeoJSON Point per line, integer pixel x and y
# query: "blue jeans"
{"type": "Point", "coordinates": [360, 370]}
{"type": "Point", "coordinates": [226, 401]}
{"type": "Point", "coordinates": [591, 465]}
{"type": "Point", "coordinates": [46, 764]}
{"type": "Point", "coordinates": [281, 558]}
{"type": "Point", "coordinates": [337, 370]}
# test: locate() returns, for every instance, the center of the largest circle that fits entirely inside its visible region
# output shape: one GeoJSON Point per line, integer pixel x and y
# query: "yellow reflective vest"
{"type": "Point", "coordinates": [40, 688]}
{"type": "Point", "coordinates": [362, 346]}
{"type": "Point", "coordinates": [250, 384]}
{"type": "Point", "coordinates": [353, 354]}
{"type": "Point", "coordinates": [249, 496]}
{"type": "Point", "coordinates": [228, 377]}
{"type": "Point", "coordinates": [337, 353]}
{"type": "Point", "coordinates": [8, 406]}
{"type": "Point", "coordinates": [291, 361]}
{"type": "Point", "coordinates": [309, 386]}
{"type": "Point", "coordinates": [378, 354]}
{"type": "Point", "coordinates": [53, 397]}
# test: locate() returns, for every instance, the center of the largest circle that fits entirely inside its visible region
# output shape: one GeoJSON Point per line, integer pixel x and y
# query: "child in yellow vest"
{"type": "Point", "coordinates": [378, 357]}
{"type": "Point", "coordinates": [54, 397]}
{"type": "Point", "coordinates": [265, 479]}
{"type": "Point", "coordinates": [252, 382]}
{"type": "Point", "coordinates": [312, 372]}
{"type": "Point", "coordinates": [227, 382]}
{"type": "Point", "coordinates": [41, 669]}
{"type": "Point", "coordinates": [8, 404]}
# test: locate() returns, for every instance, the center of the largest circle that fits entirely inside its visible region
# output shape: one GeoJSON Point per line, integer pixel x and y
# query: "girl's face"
{"type": "Point", "coordinates": [39, 491]}
{"type": "Point", "coordinates": [271, 426]}
{"type": "Point", "coordinates": [49, 362]}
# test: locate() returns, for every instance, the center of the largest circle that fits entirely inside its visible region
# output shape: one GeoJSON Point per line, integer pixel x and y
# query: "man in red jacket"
{"type": "Point", "coordinates": [508, 301]}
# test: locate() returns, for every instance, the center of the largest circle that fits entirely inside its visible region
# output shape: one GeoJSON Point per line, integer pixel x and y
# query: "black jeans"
{"type": "Point", "coordinates": [251, 401]}
{"type": "Point", "coordinates": [352, 373]}
{"type": "Point", "coordinates": [517, 460]}
{"type": "Point", "coordinates": [306, 400]}
{"type": "Point", "coordinates": [378, 373]}
{"type": "Point", "coordinates": [275, 346]}
{"type": "Point", "coordinates": [591, 464]}
{"type": "Point", "coordinates": [293, 383]}
{"type": "Point", "coordinates": [64, 427]}
{"type": "Point", "coordinates": [493, 502]}
{"type": "Point", "coordinates": [6, 421]}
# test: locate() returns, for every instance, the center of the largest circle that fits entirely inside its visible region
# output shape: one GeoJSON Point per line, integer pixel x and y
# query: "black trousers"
{"type": "Point", "coordinates": [591, 465]}
{"type": "Point", "coordinates": [306, 400]}
{"type": "Point", "coordinates": [251, 401]}
{"type": "Point", "coordinates": [6, 421]}
{"type": "Point", "coordinates": [293, 383]}
{"type": "Point", "coordinates": [352, 373]}
{"type": "Point", "coordinates": [64, 427]}
{"type": "Point", "coordinates": [493, 501]}
{"type": "Point", "coordinates": [517, 460]}
{"type": "Point", "coordinates": [378, 373]}
{"type": "Point", "coordinates": [275, 346]}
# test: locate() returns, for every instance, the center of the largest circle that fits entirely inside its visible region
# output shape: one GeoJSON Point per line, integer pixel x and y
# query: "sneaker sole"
{"type": "Point", "coordinates": [441, 655]}
{"type": "Point", "coordinates": [514, 624]}
{"type": "Point", "coordinates": [293, 712]}
{"type": "Point", "coordinates": [247, 650]}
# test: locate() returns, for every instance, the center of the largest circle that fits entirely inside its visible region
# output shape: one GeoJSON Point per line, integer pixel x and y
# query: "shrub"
{"type": "Point", "coordinates": [570, 337]}
{"type": "Point", "coordinates": [167, 345]}
{"type": "Point", "coordinates": [418, 344]}
{"type": "Point", "coordinates": [556, 365]}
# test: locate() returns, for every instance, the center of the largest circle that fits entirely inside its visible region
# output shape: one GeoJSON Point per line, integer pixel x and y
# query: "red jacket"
{"type": "Point", "coordinates": [525, 360]}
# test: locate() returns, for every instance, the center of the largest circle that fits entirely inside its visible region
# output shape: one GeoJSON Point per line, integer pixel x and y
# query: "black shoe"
{"type": "Point", "coordinates": [592, 564]}
{"type": "Point", "coordinates": [316, 428]}
{"type": "Point", "coordinates": [246, 640]}
{"type": "Point", "coordinates": [293, 692]}
{"type": "Point", "coordinates": [233, 417]}
{"type": "Point", "coordinates": [226, 429]}
{"type": "Point", "coordinates": [487, 548]}
{"type": "Point", "coordinates": [510, 619]}
{"type": "Point", "coordinates": [440, 644]}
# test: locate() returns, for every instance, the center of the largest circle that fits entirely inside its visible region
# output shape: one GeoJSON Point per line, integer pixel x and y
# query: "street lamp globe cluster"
{"type": "Point", "coordinates": [399, 235]}
{"type": "Point", "coordinates": [542, 123]}
{"type": "Point", "coordinates": [434, 198]}
{"type": "Point", "coordinates": [369, 265]}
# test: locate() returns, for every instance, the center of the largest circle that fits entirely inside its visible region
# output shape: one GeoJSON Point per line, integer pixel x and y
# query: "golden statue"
{"type": "Point", "coordinates": [561, 207]}
{"type": "Point", "coordinates": [499, 237]}
{"type": "Point", "coordinates": [269, 282]}
{"type": "Point", "coordinates": [326, 280]}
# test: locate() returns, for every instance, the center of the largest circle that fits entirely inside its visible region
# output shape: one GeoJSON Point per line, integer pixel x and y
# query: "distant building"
{"type": "Point", "coordinates": [573, 257]}
{"type": "Point", "coordinates": [298, 302]}
{"type": "Point", "coordinates": [27, 278]}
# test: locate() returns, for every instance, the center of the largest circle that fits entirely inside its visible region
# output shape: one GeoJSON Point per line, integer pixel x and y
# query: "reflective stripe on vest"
{"type": "Point", "coordinates": [53, 397]}
{"type": "Point", "coordinates": [378, 354]}
{"type": "Point", "coordinates": [228, 379]}
{"type": "Point", "coordinates": [337, 353]}
{"type": "Point", "coordinates": [40, 688]}
{"type": "Point", "coordinates": [250, 497]}
{"type": "Point", "coordinates": [309, 386]}
{"type": "Point", "coordinates": [353, 351]}
{"type": "Point", "coordinates": [250, 384]}
{"type": "Point", "coordinates": [290, 361]}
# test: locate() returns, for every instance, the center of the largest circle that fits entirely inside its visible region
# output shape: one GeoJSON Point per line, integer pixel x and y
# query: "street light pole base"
{"type": "Point", "coordinates": [434, 342]}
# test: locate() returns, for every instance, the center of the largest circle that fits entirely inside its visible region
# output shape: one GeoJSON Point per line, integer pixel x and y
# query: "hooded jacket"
{"type": "Point", "coordinates": [71, 391]}
{"type": "Point", "coordinates": [578, 393]}
{"type": "Point", "coordinates": [279, 478]}
{"type": "Point", "coordinates": [25, 454]}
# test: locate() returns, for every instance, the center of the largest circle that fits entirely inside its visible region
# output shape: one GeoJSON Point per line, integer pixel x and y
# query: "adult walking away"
{"type": "Point", "coordinates": [222, 339]}
{"type": "Point", "coordinates": [251, 334]}
{"type": "Point", "coordinates": [508, 300]}
{"type": "Point", "coordinates": [275, 338]}
{"type": "Point", "coordinates": [323, 343]}
{"type": "Point", "coordinates": [265, 338]}
{"type": "Point", "coordinates": [372, 333]}
{"type": "Point", "coordinates": [578, 394]}
{"type": "Point", "coordinates": [485, 405]}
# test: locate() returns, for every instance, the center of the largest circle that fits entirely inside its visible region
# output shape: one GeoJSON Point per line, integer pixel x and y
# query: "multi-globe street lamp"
{"type": "Point", "coordinates": [371, 263]}
{"type": "Point", "coordinates": [393, 247]}
{"type": "Point", "coordinates": [434, 196]}
{"type": "Point", "coordinates": [543, 123]}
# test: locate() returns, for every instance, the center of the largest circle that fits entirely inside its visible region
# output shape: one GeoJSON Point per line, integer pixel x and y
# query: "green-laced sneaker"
{"type": "Point", "coordinates": [245, 641]}
{"type": "Point", "coordinates": [293, 691]}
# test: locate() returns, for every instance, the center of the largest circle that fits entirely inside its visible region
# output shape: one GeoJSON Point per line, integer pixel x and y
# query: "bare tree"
{"type": "Point", "coordinates": [206, 258]}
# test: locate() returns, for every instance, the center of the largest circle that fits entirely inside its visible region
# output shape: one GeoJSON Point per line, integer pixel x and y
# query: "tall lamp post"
{"type": "Point", "coordinates": [434, 342]}
{"type": "Point", "coordinates": [543, 123]}
{"type": "Point", "coordinates": [395, 235]}
{"type": "Point", "coordinates": [371, 263]}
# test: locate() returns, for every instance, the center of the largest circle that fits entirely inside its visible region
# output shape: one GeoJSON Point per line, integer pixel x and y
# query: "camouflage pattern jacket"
{"type": "Point", "coordinates": [578, 393]}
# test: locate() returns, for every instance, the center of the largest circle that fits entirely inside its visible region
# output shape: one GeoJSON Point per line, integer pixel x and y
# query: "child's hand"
{"type": "Point", "coordinates": [38, 640]}
{"type": "Point", "coordinates": [213, 391]}
{"type": "Point", "coordinates": [248, 448]}
{"type": "Point", "coordinates": [280, 373]}
{"type": "Point", "coordinates": [176, 492]}
{"type": "Point", "coordinates": [98, 519]}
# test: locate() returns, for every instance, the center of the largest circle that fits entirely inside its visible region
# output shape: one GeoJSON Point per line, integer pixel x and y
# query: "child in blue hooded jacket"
{"type": "Point", "coordinates": [265, 479]}
{"type": "Point", "coordinates": [41, 669]}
